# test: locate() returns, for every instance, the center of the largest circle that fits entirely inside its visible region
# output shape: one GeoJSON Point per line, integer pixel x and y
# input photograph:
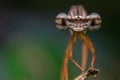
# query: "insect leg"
{"type": "Point", "coordinates": [64, 72]}
{"type": "Point", "coordinates": [70, 51]}
{"type": "Point", "coordinates": [88, 42]}
{"type": "Point", "coordinates": [84, 55]}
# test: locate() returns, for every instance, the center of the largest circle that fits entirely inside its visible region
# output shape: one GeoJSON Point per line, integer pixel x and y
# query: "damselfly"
{"type": "Point", "coordinates": [77, 21]}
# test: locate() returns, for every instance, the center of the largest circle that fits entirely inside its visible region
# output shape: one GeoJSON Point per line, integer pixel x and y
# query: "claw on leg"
{"type": "Point", "coordinates": [86, 74]}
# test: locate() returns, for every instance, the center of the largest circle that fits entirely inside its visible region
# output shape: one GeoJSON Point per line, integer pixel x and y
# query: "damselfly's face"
{"type": "Point", "coordinates": [78, 20]}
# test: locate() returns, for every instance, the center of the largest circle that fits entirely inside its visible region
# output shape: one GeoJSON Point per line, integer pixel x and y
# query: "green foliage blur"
{"type": "Point", "coordinates": [32, 48]}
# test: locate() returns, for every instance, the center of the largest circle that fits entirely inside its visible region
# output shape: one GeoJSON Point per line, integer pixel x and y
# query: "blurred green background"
{"type": "Point", "coordinates": [32, 48]}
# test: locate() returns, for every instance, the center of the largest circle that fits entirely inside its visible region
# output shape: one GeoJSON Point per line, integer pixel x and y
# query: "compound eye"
{"type": "Point", "coordinates": [60, 21]}
{"type": "Point", "coordinates": [95, 21]}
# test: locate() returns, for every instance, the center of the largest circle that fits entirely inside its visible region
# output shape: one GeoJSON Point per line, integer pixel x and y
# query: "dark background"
{"type": "Point", "coordinates": [32, 48]}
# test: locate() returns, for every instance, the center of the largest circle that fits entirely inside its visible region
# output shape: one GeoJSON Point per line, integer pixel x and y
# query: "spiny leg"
{"type": "Point", "coordinates": [84, 62]}
{"type": "Point", "coordinates": [84, 55]}
{"type": "Point", "coordinates": [91, 71]}
{"type": "Point", "coordinates": [64, 73]}
{"type": "Point", "coordinates": [70, 51]}
{"type": "Point", "coordinates": [89, 44]}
